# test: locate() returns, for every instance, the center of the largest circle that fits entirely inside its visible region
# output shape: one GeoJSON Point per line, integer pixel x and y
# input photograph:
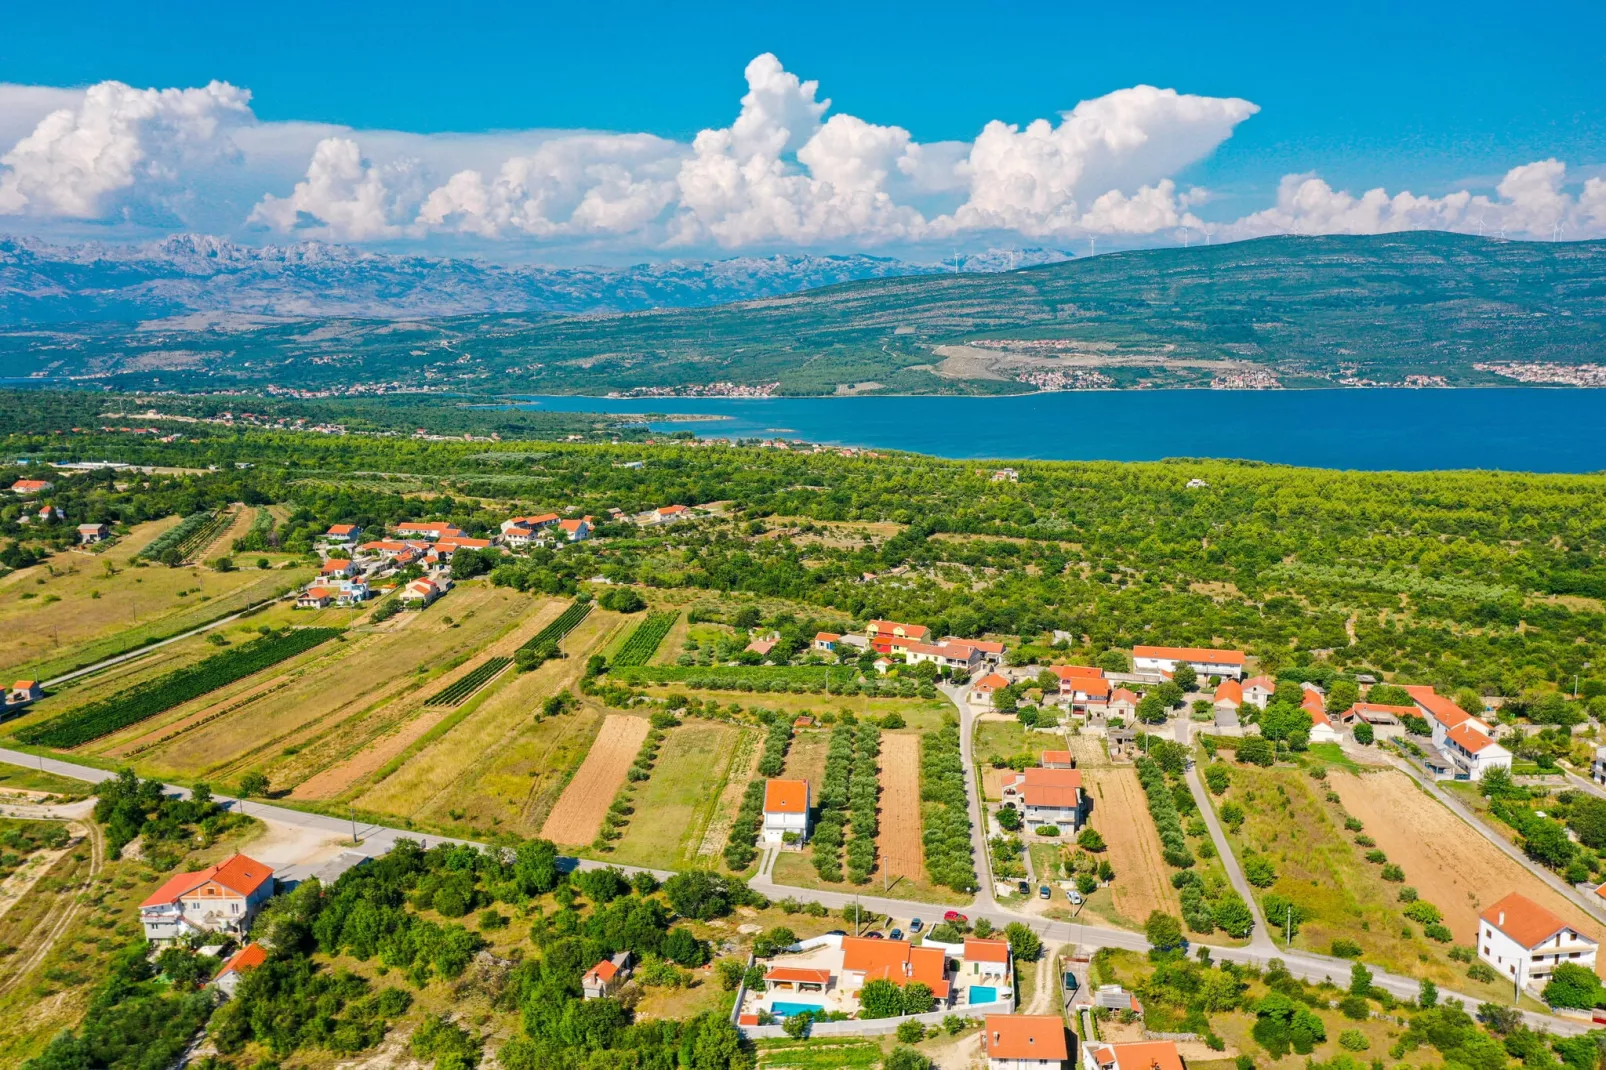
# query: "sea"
{"type": "Point", "coordinates": [1510, 429]}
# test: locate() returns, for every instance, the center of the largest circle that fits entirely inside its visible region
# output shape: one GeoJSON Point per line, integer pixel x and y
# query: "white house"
{"type": "Point", "coordinates": [315, 598]}
{"type": "Point", "coordinates": [605, 977]}
{"type": "Point", "coordinates": [233, 972]}
{"type": "Point", "coordinates": [1464, 743]}
{"type": "Point", "coordinates": [1524, 942]}
{"type": "Point", "coordinates": [825, 642]}
{"type": "Point", "coordinates": [91, 533]}
{"type": "Point", "coordinates": [986, 960]}
{"type": "Point", "coordinates": [1026, 1042]}
{"type": "Point", "coordinates": [422, 592]}
{"type": "Point", "coordinates": [786, 809]}
{"type": "Point", "coordinates": [1228, 697]}
{"type": "Point", "coordinates": [434, 529]}
{"type": "Point", "coordinates": [220, 898]}
{"type": "Point", "coordinates": [958, 656]}
{"type": "Point", "coordinates": [342, 534]}
{"type": "Point", "coordinates": [1046, 796]}
{"type": "Point", "coordinates": [576, 530]}
{"type": "Point", "coordinates": [1598, 767]}
{"type": "Point", "coordinates": [1081, 687]}
{"type": "Point", "coordinates": [1154, 660]}
{"type": "Point", "coordinates": [23, 692]}
{"type": "Point", "coordinates": [27, 487]}
{"type": "Point", "coordinates": [1259, 690]}
{"type": "Point", "coordinates": [1142, 1055]}
{"type": "Point", "coordinates": [1322, 729]}
{"type": "Point", "coordinates": [981, 691]}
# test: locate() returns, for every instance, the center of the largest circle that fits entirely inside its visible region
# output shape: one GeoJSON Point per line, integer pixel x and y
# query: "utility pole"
{"type": "Point", "coordinates": [1289, 938]}
{"type": "Point", "coordinates": [353, 809]}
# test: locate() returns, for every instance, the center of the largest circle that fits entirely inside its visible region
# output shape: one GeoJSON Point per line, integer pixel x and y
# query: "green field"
{"type": "Point", "coordinates": [674, 807]}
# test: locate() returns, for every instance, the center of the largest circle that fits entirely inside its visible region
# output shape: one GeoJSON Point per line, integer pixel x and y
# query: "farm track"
{"type": "Point", "coordinates": [61, 915]}
{"type": "Point", "coordinates": [743, 766]}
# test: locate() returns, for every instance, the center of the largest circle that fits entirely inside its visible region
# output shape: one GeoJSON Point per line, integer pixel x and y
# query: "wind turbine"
{"type": "Point", "coordinates": [1184, 237]}
{"type": "Point", "coordinates": [956, 261]}
{"type": "Point", "coordinates": [1092, 244]}
{"type": "Point", "coordinates": [1555, 231]}
{"type": "Point", "coordinates": [1480, 226]}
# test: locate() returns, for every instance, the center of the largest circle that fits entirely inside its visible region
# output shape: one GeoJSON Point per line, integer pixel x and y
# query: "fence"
{"type": "Point", "coordinates": [873, 1027]}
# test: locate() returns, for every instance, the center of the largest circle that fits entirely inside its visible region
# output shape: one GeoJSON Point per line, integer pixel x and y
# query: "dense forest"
{"type": "Point", "coordinates": [1472, 579]}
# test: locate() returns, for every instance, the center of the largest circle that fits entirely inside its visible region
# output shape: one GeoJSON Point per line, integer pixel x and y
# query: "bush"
{"type": "Point", "coordinates": [1089, 839]}
{"type": "Point", "coordinates": [1423, 912]}
{"type": "Point", "coordinates": [906, 1059]}
{"type": "Point", "coordinates": [911, 1032]}
{"type": "Point", "coordinates": [1010, 820]}
{"type": "Point", "coordinates": [1353, 1040]}
{"type": "Point", "coordinates": [1392, 872]}
{"type": "Point", "coordinates": [1482, 971]}
{"type": "Point", "coordinates": [1346, 949]}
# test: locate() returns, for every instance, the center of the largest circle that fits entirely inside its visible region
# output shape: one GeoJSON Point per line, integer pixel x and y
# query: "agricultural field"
{"type": "Point", "coordinates": [1449, 864]}
{"type": "Point", "coordinates": [80, 607]}
{"type": "Point", "coordinates": [1005, 738]}
{"type": "Point", "coordinates": [1289, 821]}
{"type": "Point", "coordinates": [577, 818]}
{"type": "Point", "coordinates": [899, 843]}
{"type": "Point", "coordinates": [676, 807]}
{"type": "Point", "coordinates": [1120, 814]}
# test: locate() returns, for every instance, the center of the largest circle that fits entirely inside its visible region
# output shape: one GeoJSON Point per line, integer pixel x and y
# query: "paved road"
{"type": "Point", "coordinates": [978, 826]}
{"type": "Point", "coordinates": [142, 651]}
{"type": "Point", "coordinates": [1260, 940]}
{"type": "Point", "coordinates": [377, 839]}
{"type": "Point", "coordinates": [1457, 807]}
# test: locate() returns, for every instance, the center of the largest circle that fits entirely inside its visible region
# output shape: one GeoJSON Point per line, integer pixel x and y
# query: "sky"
{"type": "Point", "coordinates": [536, 132]}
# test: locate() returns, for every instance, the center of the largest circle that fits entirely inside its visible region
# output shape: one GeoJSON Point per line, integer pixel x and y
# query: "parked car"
{"type": "Point", "coordinates": [897, 934]}
{"type": "Point", "coordinates": [1022, 888]}
{"type": "Point", "coordinates": [873, 936]}
{"type": "Point", "coordinates": [1045, 892]}
{"type": "Point", "coordinates": [836, 932]}
{"type": "Point", "coordinates": [1074, 896]}
{"type": "Point", "coordinates": [954, 915]}
{"type": "Point", "coordinates": [914, 926]}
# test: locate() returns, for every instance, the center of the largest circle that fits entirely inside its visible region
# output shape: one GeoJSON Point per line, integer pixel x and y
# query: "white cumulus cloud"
{"type": "Point", "coordinates": [117, 137]}
{"type": "Point", "coordinates": [342, 197]}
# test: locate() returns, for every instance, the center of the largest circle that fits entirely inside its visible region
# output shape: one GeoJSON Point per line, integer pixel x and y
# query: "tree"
{"type": "Point", "coordinates": [1360, 980]}
{"type": "Point", "coordinates": [880, 999]}
{"type": "Point", "coordinates": [254, 784]}
{"type": "Point", "coordinates": [1217, 778]}
{"type": "Point", "coordinates": [1185, 677]}
{"type": "Point", "coordinates": [1427, 995]}
{"type": "Point", "coordinates": [1114, 661]}
{"type": "Point", "coordinates": [1152, 709]}
{"type": "Point", "coordinates": [917, 998]}
{"type": "Point", "coordinates": [1255, 751]}
{"type": "Point", "coordinates": [1163, 930]}
{"type": "Point", "coordinates": [696, 893]}
{"type": "Point", "coordinates": [1546, 842]}
{"type": "Point", "coordinates": [1342, 695]}
{"type": "Point", "coordinates": [1574, 986]}
{"type": "Point", "coordinates": [1496, 783]}
{"type": "Point", "coordinates": [1090, 840]}
{"type": "Point", "coordinates": [1363, 733]}
{"type": "Point", "coordinates": [1048, 682]}
{"type": "Point", "coordinates": [1233, 916]}
{"type": "Point", "coordinates": [1024, 944]}
{"type": "Point", "coordinates": [1009, 819]}
{"type": "Point", "coordinates": [1259, 871]}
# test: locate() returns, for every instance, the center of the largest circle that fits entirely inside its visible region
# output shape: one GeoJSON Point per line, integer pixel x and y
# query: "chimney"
{"type": "Point", "coordinates": [1501, 920]}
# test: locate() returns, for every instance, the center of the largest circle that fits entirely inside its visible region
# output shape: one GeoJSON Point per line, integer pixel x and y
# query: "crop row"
{"type": "Point", "coordinates": [565, 623]}
{"type": "Point", "coordinates": [1163, 809]}
{"type": "Point", "coordinates": [945, 811]}
{"type": "Point", "coordinates": [455, 694]}
{"type": "Point", "coordinates": [864, 795]}
{"type": "Point", "coordinates": [174, 538]}
{"type": "Point", "coordinates": [199, 539]}
{"type": "Point", "coordinates": [124, 708]}
{"type": "Point", "coordinates": [828, 829]}
{"type": "Point", "coordinates": [643, 642]}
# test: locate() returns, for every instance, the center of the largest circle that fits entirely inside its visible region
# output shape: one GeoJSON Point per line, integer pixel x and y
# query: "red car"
{"type": "Point", "coordinates": [954, 915]}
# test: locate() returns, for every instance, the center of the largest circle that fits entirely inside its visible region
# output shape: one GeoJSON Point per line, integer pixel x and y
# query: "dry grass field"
{"type": "Point", "coordinates": [80, 606]}
{"type": "Point", "coordinates": [899, 841]}
{"type": "Point", "coordinates": [577, 818]}
{"type": "Point", "coordinates": [497, 766]}
{"type": "Point", "coordinates": [1449, 864]}
{"type": "Point", "coordinates": [805, 758]}
{"type": "Point", "coordinates": [1121, 815]}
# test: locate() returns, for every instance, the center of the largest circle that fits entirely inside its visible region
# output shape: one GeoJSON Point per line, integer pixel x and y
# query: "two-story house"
{"type": "Point", "coordinates": [786, 810]}
{"type": "Point", "coordinates": [1046, 796]}
{"type": "Point", "coordinates": [1524, 942]}
{"type": "Point", "coordinates": [221, 898]}
{"type": "Point", "coordinates": [1158, 660]}
{"type": "Point", "coordinates": [1466, 749]}
{"type": "Point", "coordinates": [1025, 1042]}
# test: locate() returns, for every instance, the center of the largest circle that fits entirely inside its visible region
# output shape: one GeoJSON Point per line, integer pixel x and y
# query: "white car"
{"type": "Point", "coordinates": [1074, 896]}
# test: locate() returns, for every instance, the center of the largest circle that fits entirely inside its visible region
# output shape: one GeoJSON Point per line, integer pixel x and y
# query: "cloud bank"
{"type": "Point", "coordinates": [786, 172]}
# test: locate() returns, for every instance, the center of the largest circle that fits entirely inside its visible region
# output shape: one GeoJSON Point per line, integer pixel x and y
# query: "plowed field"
{"type": "Point", "coordinates": [577, 817]}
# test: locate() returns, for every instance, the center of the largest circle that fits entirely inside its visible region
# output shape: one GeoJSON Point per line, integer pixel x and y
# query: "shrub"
{"type": "Point", "coordinates": [1423, 912]}
{"type": "Point", "coordinates": [911, 1032]}
{"type": "Point", "coordinates": [1353, 1040]}
{"type": "Point", "coordinates": [1392, 872]}
{"type": "Point", "coordinates": [1346, 949]}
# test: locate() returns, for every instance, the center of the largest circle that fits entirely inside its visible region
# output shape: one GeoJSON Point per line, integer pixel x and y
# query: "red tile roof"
{"type": "Point", "coordinates": [786, 796]}
{"type": "Point", "coordinates": [1146, 1055]}
{"type": "Point", "coordinates": [238, 873]}
{"type": "Point", "coordinates": [1076, 672]}
{"type": "Point", "coordinates": [1190, 653]}
{"type": "Point", "coordinates": [604, 971]}
{"type": "Point", "coordinates": [248, 957]}
{"type": "Point", "coordinates": [1525, 921]}
{"type": "Point", "coordinates": [24, 685]}
{"type": "Point", "coordinates": [1123, 695]}
{"type": "Point", "coordinates": [23, 486]}
{"type": "Point", "coordinates": [826, 637]}
{"type": "Point", "coordinates": [1028, 1036]}
{"type": "Point", "coordinates": [341, 529]}
{"type": "Point", "coordinates": [910, 631]}
{"type": "Point", "coordinates": [799, 975]}
{"type": "Point", "coordinates": [1469, 737]}
{"type": "Point", "coordinates": [1437, 706]}
{"type": "Point", "coordinates": [979, 950]}
{"type": "Point", "coordinates": [1057, 757]}
{"type": "Point", "coordinates": [1265, 683]}
{"type": "Point", "coordinates": [991, 682]}
{"type": "Point", "coordinates": [1049, 787]}
{"type": "Point", "coordinates": [1230, 691]}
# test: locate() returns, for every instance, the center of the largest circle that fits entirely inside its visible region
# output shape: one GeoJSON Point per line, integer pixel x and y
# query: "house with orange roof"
{"type": "Point", "coordinates": [1206, 661]}
{"type": "Point", "coordinates": [1259, 690]}
{"type": "Point", "coordinates": [1082, 689]}
{"type": "Point", "coordinates": [577, 530]}
{"type": "Point", "coordinates": [1229, 696]}
{"type": "Point", "coordinates": [981, 691]}
{"type": "Point", "coordinates": [343, 534]}
{"type": "Point", "coordinates": [1463, 745]}
{"type": "Point", "coordinates": [92, 533]}
{"type": "Point", "coordinates": [315, 597]}
{"type": "Point", "coordinates": [987, 959]}
{"type": "Point", "coordinates": [891, 637]}
{"type": "Point", "coordinates": [825, 642]}
{"type": "Point", "coordinates": [786, 811]}
{"type": "Point", "coordinates": [668, 514]}
{"type": "Point", "coordinates": [956, 655]}
{"type": "Point", "coordinates": [1057, 759]}
{"type": "Point", "coordinates": [421, 592]}
{"type": "Point", "coordinates": [1142, 1055]}
{"type": "Point", "coordinates": [865, 960]}
{"type": "Point", "coordinates": [337, 568]}
{"type": "Point", "coordinates": [1322, 728]}
{"type": "Point", "coordinates": [233, 972]}
{"type": "Point", "coordinates": [434, 529]}
{"type": "Point", "coordinates": [221, 898]}
{"type": "Point", "coordinates": [23, 692]}
{"type": "Point", "coordinates": [604, 979]}
{"type": "Point", "coordinates": [1046, 796]}
{"type": "Point", "coordinates": [1026, 1042]}
{"type": "Point", "coordinates": [1123, 704]}
{"type": "Point", "coordinates": [28, 487]}
{"type": "Point", "coordinates": [1525, 942]}
{"type": "Point", "coordinates": [521, 531]}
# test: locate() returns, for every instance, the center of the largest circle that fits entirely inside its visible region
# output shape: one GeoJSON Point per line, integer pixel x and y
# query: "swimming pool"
{"type": "Point", "coordinates": [786, 1010]}
{"type": "Point", "coordinates": [981, 994]}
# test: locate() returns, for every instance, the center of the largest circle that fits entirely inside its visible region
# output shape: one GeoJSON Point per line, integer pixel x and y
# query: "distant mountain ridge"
{"type": "Point", "coordinates": [42, 283]}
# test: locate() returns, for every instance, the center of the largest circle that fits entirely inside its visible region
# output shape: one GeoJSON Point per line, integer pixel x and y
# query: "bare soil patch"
{"type": "Point", "coordinates": [577, 817]}
{"type": "Point", "coordinates": [1449, 864]}
{"type": "Point", "coordinates": [1120, 813]}
{"type": "Point", "coordinates": [899, 841]}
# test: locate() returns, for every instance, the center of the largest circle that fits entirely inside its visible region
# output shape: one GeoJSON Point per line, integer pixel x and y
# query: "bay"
{"type": "Point", "coordinates": [1512, 429]}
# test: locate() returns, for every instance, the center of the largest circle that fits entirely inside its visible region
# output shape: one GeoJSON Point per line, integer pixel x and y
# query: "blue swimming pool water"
{"type": "Point", "coordinates": [982, 994]}
{"type": "Point", "coordinates": [786, 1010]}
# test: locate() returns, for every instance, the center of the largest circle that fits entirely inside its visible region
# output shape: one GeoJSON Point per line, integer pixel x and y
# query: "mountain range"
{"type": "Point", "coordinates": [194, 273]}
{"type": "Point", "coordinates": [1415, 309]}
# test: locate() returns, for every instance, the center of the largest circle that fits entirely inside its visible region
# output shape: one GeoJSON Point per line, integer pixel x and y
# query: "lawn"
{"type": "Point", "coordinates": [1332, 754]}
{"type": "Point", "coordinates": [923, 714]}
{"type": "Point", "coordinates": [674, 807]}
{"type": "Point", "coordinates": [23, 778]}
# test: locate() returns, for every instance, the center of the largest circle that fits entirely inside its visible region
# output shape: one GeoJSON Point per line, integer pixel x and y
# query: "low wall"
{"type": "Point", "coordinates": [872, 1027]}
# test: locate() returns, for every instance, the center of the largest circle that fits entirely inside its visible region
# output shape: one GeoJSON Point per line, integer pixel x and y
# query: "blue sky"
{"type": "Point", "coordinates": [1411, 97]}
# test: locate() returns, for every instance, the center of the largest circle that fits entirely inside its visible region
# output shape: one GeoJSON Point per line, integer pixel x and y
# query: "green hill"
{"type": "Point", "coordinates": [1289, 311]}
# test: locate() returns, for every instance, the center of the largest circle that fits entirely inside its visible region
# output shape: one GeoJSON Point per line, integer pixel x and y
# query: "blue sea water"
{"type": "Point", "coordinates": [1514, 429]}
